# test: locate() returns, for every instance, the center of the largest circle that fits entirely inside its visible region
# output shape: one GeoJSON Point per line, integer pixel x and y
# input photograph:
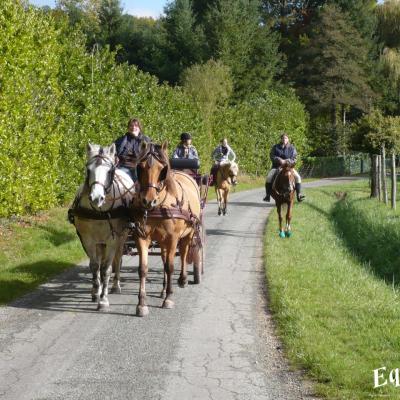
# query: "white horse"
{"type": "Point", "coordinates": [100, 216]}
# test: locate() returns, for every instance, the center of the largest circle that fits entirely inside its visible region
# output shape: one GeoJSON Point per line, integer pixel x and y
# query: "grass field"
{"type": "Point", "coordinates": [35, 248]}
{"type": "Point", "coordinates": [333, 290]}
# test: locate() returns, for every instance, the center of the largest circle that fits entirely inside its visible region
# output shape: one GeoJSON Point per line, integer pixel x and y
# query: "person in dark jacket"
{"type": "Point", "coordinates": [128, 147]}
{"type": "Point", "coordinates": [280, 152]}
{"type": "Point", "coordinates": [185, 149]}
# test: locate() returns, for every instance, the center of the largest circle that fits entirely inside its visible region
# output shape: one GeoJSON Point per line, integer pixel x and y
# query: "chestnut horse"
{"type": "Point", "coordinates": [171, 204]}
{"type": "Point", "coordinates": [283, 190]}
{"type": "Point", "coordinates": [226, 176]}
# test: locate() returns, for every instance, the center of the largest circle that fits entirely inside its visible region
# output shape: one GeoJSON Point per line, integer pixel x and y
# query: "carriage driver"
{"type": "Point", "coordinates": [128, 147]}
{"type": "Point", "coordinates": [280, 152]}
{"type": "Point", "coordinates": [185, 149]}
{"type": "Point", "coordinates": [222, 153]}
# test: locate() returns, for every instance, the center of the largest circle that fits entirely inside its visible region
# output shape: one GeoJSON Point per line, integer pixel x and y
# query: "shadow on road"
{"type": "Point", "coordinates": [228, 232]}
{"type": "Point", "coordinates": [71, 291]}
{"type": "Point", "coordinates": [249, 204]}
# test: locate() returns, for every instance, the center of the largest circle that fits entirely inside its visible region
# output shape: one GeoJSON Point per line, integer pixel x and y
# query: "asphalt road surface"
{"type": "Point", "coordinates": [217, 343]}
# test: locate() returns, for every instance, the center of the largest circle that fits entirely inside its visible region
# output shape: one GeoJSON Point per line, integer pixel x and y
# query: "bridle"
{"type": "Point", "coordinates": [285, 194]}
{"type": "Point", "coordinates": [98, 158]}
{"type": "Point", "coordinates": [149, 156]}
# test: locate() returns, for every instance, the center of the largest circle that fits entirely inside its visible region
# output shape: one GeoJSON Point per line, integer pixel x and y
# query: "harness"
{"type": "Point", "coordinates": [141, 215]}
{"type": "Point", "coordinates": [102, 215]}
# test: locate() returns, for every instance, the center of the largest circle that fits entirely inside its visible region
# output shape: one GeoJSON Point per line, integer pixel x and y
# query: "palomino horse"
{"type": "Point", "coordinates": [100, 215]}
{"type": "Point", "coordinates": [283, 190]}
{"type": "Point", "coordinates": [226, 176]}
{"type": "Point", "coordinates": [171, 204]}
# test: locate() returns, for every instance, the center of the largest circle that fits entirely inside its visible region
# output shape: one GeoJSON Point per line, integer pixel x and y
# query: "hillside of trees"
{"type": "Point", "coordinates": [327, 72]}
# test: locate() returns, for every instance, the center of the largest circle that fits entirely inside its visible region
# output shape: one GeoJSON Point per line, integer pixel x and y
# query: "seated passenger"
{"type": "Point", "coordinates": [128, 147]}
{"type": "Point", "coordinates": [185, 149]}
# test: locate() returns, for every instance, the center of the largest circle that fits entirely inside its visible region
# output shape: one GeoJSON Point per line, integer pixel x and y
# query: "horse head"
{"type": "Point", "coordinates": [285, 180]}
{"type": "Point", "coordinates": [230, 171]}
{"type": "Point", "coordinates": [100, 171]}
{"type": "Point", "coordinates": [153, 171]}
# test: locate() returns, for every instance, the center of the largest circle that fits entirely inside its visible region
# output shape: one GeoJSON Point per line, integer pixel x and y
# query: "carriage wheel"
{"type": "Point", "coordinates": [199, 258]}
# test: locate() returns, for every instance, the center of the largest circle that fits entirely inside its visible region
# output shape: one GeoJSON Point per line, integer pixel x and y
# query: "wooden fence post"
{"type": "Point", "coordinates": [394, 181]}
{"type": "Point", "coordinates": [384, 185]}
{"type": "Point", "coordinates": [374, 176]}
{"type": "Point", "coordinates": [379, 177]}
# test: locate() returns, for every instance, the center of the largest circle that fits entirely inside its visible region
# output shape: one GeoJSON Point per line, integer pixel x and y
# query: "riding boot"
{"type": "Point", "coordinates": [300, 196]}
{"type": "Point", "coordinates": [268, 190]}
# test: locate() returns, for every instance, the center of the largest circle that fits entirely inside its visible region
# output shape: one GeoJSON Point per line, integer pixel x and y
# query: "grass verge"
{"type": "Point", "coordinates": [331, 290]}
{"type": "Point", "coordinates": [34, 249]}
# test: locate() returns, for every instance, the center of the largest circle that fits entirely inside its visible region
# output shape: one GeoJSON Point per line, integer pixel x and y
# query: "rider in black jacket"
{"type": "Point", "coordinates": [128, 146]}
{"type": "Point", "coordinates": [282, 151]}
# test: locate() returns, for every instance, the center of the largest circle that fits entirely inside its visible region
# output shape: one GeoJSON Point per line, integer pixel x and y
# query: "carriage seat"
{"type": "Point", "coordinates": [185, 163]}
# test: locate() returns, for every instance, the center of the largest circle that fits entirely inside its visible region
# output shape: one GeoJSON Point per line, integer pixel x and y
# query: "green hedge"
{"type": "Point", "coordinates": [55, 98]}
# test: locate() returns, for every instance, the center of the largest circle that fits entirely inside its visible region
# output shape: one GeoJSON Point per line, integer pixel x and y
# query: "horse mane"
{"type": "Point", "coordinates": [170, 182]}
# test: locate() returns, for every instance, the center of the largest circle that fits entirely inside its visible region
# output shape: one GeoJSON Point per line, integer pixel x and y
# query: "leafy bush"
{"type": "Point", "coordinates": [55, 98]}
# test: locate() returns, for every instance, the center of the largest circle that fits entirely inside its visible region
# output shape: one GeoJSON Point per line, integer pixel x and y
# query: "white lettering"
{"type": "Point", "coordinates": [378, 376]}
{"type": "Point", "coordinates": [394, 377]}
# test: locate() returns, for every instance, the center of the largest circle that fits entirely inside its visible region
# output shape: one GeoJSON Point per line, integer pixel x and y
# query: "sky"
{"type": "Point", "coordinates": [140, 8]}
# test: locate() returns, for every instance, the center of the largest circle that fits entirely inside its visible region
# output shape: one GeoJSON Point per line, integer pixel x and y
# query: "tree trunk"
{"type": "Point", "coordinates": [384, 186]}
{"type": "Point", "coordinates": [374, 175]}
{"type": "Point", "coordinates": [334, 127]}
{"type": "Point", "coordinates": [379, 177]}
{"type": "Point", "coordinates": [394, 181]}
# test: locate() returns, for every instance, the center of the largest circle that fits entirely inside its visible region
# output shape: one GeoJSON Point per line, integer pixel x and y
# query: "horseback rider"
{"type": "Point", "coordinates": [185, 149]}
{"type": "Point", "coordinates": [279, 153]}
{"type": "Point", "coordinates": [128, 147]}
{"type": "Point", "coordinates": [222, 153]}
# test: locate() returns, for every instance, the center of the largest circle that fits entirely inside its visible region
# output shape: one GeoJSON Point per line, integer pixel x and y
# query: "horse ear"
{"type": "Point", "coordinates": [89, 149]}
{"type": "Point", "coordinates": [112, 150]}
{"type": "Point", "coordinates": [164, 146]}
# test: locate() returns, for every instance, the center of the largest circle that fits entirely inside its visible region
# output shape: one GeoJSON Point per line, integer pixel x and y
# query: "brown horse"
{"type": "Point", "coordinates": [171, 204]}
{"type": "Point", "coordinates": [226, 176]}
{"type": "Point", "coordinates": [283, 190]}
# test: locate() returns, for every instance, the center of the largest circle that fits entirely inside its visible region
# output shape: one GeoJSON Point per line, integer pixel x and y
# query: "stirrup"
{"type": "Point", "coordinates": [300, 197]}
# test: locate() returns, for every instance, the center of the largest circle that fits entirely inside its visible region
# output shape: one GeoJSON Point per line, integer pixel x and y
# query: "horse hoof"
{"type": "Point", "coordinates": [116, 289]}
{"type": "Point", "coordinates": [103, 305]}
{"type": "Point", "coordinates": [168, 304]}
{"type": "Point", "coordinates": [95, 298]}
{"type": "Point", "coordinates": [288, 234]}
{"type": "Point", "coordinates": [142, 311]}
{"type": "Point", "coordinates": [282, 234]}
{"type": "Point", "coordinates": [224, 212]}
{"type": "Point", "coordinates": [182, 282]}
{"type": "Point", "coordinates": [219, 212]}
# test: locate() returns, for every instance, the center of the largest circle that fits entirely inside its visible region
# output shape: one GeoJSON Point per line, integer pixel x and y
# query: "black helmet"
{"type": "Point", "coordinates": [185, 136]}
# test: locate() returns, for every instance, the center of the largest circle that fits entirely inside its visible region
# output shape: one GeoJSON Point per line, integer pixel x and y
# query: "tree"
{"type": "Point", "coordinates": [331, 69]}
{"type": "Point", "coordinates": [238, 38]}
{"type": "Point", "coordinates": [182, 41]}
{"type": "Point", "coordinates": [110, 20]}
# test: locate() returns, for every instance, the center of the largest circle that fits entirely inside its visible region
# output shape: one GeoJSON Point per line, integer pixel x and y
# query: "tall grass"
{"type": "Point", "coordinates": [331, 293]}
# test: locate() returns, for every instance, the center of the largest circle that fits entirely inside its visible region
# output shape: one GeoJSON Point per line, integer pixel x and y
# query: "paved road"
{"type": "Point", "coordinates": [218, 343]}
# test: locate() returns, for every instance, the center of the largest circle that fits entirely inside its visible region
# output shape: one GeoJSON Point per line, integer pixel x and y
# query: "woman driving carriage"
{"type": "Point", "coordinates": [185, 149]}
{"type": "Point", "coordinates": [221, 154]}
{"type": "Point", "coordinates": [128, 147]}
{"type": "Point", "coordinates": [279, 153]}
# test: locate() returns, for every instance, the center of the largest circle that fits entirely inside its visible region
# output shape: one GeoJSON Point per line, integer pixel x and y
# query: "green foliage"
{"type": "Point", "coordinates": [56, 97]}
{"type": "Point", "coordinates": [375, 130]}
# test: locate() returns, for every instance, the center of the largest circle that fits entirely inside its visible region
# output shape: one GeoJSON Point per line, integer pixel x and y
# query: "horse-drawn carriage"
{"type": "Point", "coordinates": [196, 253]}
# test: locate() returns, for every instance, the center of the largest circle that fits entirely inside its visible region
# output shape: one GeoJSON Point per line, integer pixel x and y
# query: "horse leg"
{"type": "Point", "coordinates": [289, 218]}
{"type": "Point", "coordinates": [279, 210]}
{"type": "Point", "coordinates": [169, 269]}
{"type": "Point", "coordinates": [96, 286]}
{"type": "Point", "coordinates": [219, 199]}
{"type": "Point", "coordinates": [117, 262]}
{"type": "Point", "coordinates": [143, 245]}
{"type": "Point", "coordinates": [184, 245]}
{"type": "Point", "coordinates": [105, 273]}
{"type": "Point", "coordinates": [226, 193]}
{"type": "Point", "coordinates": [164, 259]}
